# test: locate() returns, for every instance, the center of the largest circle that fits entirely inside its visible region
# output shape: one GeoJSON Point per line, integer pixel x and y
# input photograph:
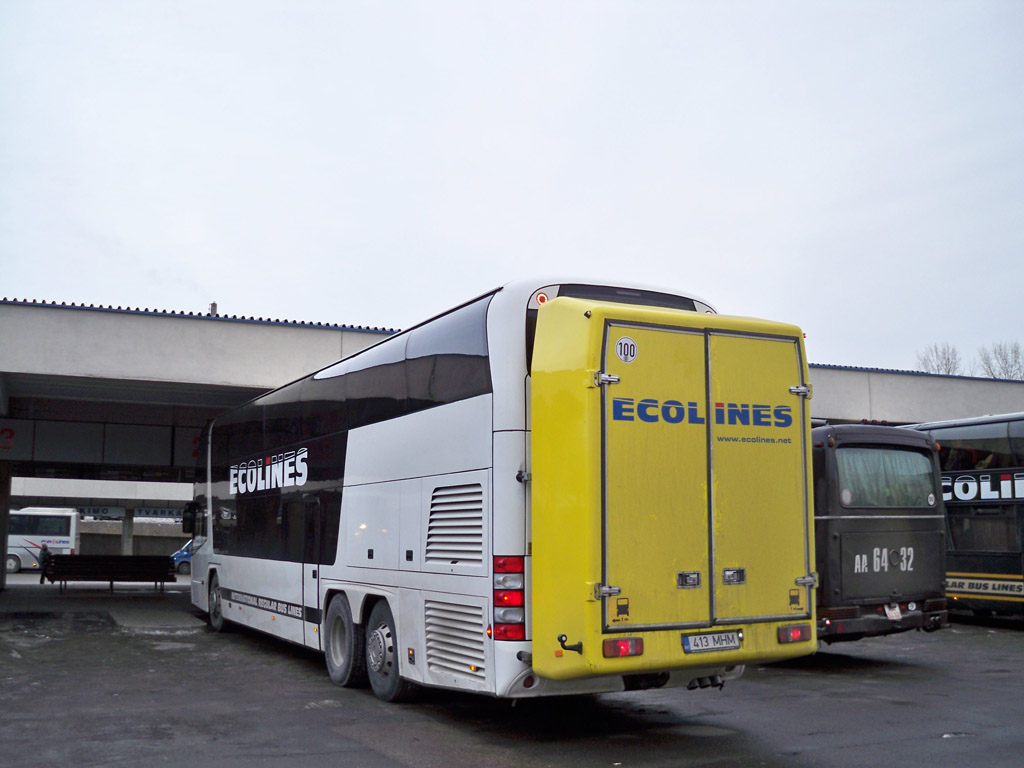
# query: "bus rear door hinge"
{"type": "Point", "coordinates": [601, 590]}
{"type": "Point", "coordinates": [601, 378]}
{"type": "Point", "coordinates": [810, 580]}
{"type": "Point", "coordinates": [803, 390]}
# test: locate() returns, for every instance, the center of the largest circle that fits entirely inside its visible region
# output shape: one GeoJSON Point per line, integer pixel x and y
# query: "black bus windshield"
{"type": "Point", "coordinates": [885, 477]}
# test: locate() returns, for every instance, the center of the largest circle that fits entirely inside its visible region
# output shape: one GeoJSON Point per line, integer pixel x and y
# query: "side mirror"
{"type": "Point", "coordinates": [188, 518]}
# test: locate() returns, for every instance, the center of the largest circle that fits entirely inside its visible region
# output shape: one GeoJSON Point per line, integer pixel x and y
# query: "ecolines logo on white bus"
{"type": "Point", "coordinates": [983, 487]}
{"type": "Point", "coordinates": [284, 470]}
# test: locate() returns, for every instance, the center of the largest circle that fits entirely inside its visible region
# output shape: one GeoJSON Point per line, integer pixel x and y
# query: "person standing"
{"type": "Point", "coordinates": [44, 558]}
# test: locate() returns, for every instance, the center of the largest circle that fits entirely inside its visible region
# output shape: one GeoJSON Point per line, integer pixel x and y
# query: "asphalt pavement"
{"type": "Point", "coordinates": [135, 677]}
{"type": "Point", "coordinates": [130, 605]}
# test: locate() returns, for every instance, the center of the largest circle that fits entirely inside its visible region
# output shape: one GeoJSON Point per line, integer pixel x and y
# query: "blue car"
{"type": "Point", "coordinates": [183, 558]}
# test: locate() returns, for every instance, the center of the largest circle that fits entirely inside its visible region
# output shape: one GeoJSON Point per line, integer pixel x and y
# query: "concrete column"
{"type": "Point", "coordinates": [5, 517]}
{"type": "Point", "coordinates": [127, 531]}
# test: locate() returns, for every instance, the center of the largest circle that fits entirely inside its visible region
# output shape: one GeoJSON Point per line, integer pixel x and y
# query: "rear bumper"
{"type": "Point", "coordinates": [872, 624]}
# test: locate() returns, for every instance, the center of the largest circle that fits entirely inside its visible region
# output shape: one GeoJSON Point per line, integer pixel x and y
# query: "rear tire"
{"type": "Point", "coordinates": [382, 656]}
{"type": "Point", "coordinates": [13, 564]}
{"type": "Point", "coordinates": [217, 620]}
{"type": "Point", "coordinates": [344, 645]}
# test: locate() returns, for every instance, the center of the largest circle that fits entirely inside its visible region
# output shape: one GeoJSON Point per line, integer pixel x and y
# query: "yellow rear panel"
{"type": "Point", "coordinates": [671, 500]}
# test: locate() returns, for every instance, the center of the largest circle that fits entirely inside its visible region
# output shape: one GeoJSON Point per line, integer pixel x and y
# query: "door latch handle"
{"type": "Point", "coordinates": [602, 590]}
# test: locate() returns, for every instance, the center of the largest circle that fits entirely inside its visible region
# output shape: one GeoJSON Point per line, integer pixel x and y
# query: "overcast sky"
{"type": "Point", "coordinates": [856, 168]}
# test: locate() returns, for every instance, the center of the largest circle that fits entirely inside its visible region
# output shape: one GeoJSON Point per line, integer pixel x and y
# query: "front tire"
{"type": "Point", "coordinates": [184, 568]}
{"type": "Point", "coordinates": [344, 645]}
{"type": "Point", "coordinates": [13, 564]}
{"type": "Point", "coordinates": [382, 656]}
{"type": "Point", "coordinates": [217, 620]}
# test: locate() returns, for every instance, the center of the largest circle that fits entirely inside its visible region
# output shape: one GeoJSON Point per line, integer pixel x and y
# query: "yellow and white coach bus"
{"type": "Point", "coordinates": [551, 489]}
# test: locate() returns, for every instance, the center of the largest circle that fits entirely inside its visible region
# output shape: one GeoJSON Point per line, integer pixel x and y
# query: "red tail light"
{"type": "Point", "coordinates": [509, 564]}
{"type": "Point", "coordinates": [620, 647]}
{"type": "Point", "coordinates": [509, 631]}
{"type": "Point", "coordinates": [509, 597]}
{"type": "Point", "coordinates": [795, 633]}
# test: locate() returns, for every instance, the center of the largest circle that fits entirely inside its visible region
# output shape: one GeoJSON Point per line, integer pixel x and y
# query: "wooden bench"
{"type": "Point", "coordinates": [110, 568]}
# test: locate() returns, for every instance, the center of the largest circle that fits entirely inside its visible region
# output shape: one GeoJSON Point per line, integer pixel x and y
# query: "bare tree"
{"type": "Point", "coordinates": [941, 358]}
{"type": "Point", "coordinates": [1002, 361]}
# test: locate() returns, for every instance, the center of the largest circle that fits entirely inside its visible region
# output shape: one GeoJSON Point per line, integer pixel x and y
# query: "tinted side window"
{"type": "Point", "coordinates": [984, 529]}
{"type": "Point", "coordinates": [282, 416]}
{"type": "Point", "coordinates": [360, 390]}
{"type": "Point", "coordinates": [39, 525]}
{"type": "Point", "coordinates": [821, 499]}
{"type": "Point", "coordinates": [330, 527]}
{"type": "Point", "coordinates": [978, 446]}
{"type": "Point", "coordinates": [243, 429]}
{"type": "Point", "coordinates": [324, 407]}
{"type": "Point", "coordinates": [447, 358]}
{"type": "Point", "coordinates": [1017, 442]}
{"type": "Point", "coordinates": [375, 387]}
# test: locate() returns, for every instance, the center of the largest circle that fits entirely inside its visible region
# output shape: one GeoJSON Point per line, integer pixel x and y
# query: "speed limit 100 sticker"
{"type": "Point", "coordinates": [625, 348]}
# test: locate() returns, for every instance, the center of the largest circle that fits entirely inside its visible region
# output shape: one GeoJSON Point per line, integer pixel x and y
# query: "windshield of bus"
{"type": "Point", "coordinates": [885, 477]}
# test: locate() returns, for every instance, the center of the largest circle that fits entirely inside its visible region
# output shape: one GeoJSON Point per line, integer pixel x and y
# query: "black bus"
{"type": "Point", "coordinates": [982, 461]}
{"type": "Point", "coordinates": [878, 532]}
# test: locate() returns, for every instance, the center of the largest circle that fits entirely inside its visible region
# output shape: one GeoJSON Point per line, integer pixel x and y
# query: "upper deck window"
{"type": "Point", "coordinates": [446, 359]}
{"type": "Point", "coordinates": [975, 446]}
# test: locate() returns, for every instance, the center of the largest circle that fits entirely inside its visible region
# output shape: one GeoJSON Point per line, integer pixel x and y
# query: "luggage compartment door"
{"type": "Point", "coordinates": [761, 534]}
{"type": "Point", "coordinates": [657, 546]}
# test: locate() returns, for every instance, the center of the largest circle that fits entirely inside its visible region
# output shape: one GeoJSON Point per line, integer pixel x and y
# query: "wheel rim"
{"type": "Point", "coordinates": [12, 564]}
{"type": "Point", "coordinates": [215, 601]}
{"type": "Point", "coordinates": [380, 650]}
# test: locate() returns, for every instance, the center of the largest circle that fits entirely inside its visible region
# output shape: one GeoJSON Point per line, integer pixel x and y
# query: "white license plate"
{"type": "Point", "coordinates": [711, 641]}
{"type": "Point", "coordinates": [893, 612]}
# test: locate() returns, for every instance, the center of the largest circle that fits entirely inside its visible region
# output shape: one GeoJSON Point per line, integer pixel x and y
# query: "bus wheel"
{"type": "Point", "coordinates": [344, 645]}
{"type": "Point", "coordinates": [382, 656]}
{"type": "Point", "coordinates": [217, 620]}
{"type": "Point", "coordinates": [13, 564]}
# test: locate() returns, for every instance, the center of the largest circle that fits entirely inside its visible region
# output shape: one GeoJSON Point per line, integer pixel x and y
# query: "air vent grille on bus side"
{"type": "Point", "coordinates": [455, 639]}
{"type": "Point", "coordinates": [455, 528]}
